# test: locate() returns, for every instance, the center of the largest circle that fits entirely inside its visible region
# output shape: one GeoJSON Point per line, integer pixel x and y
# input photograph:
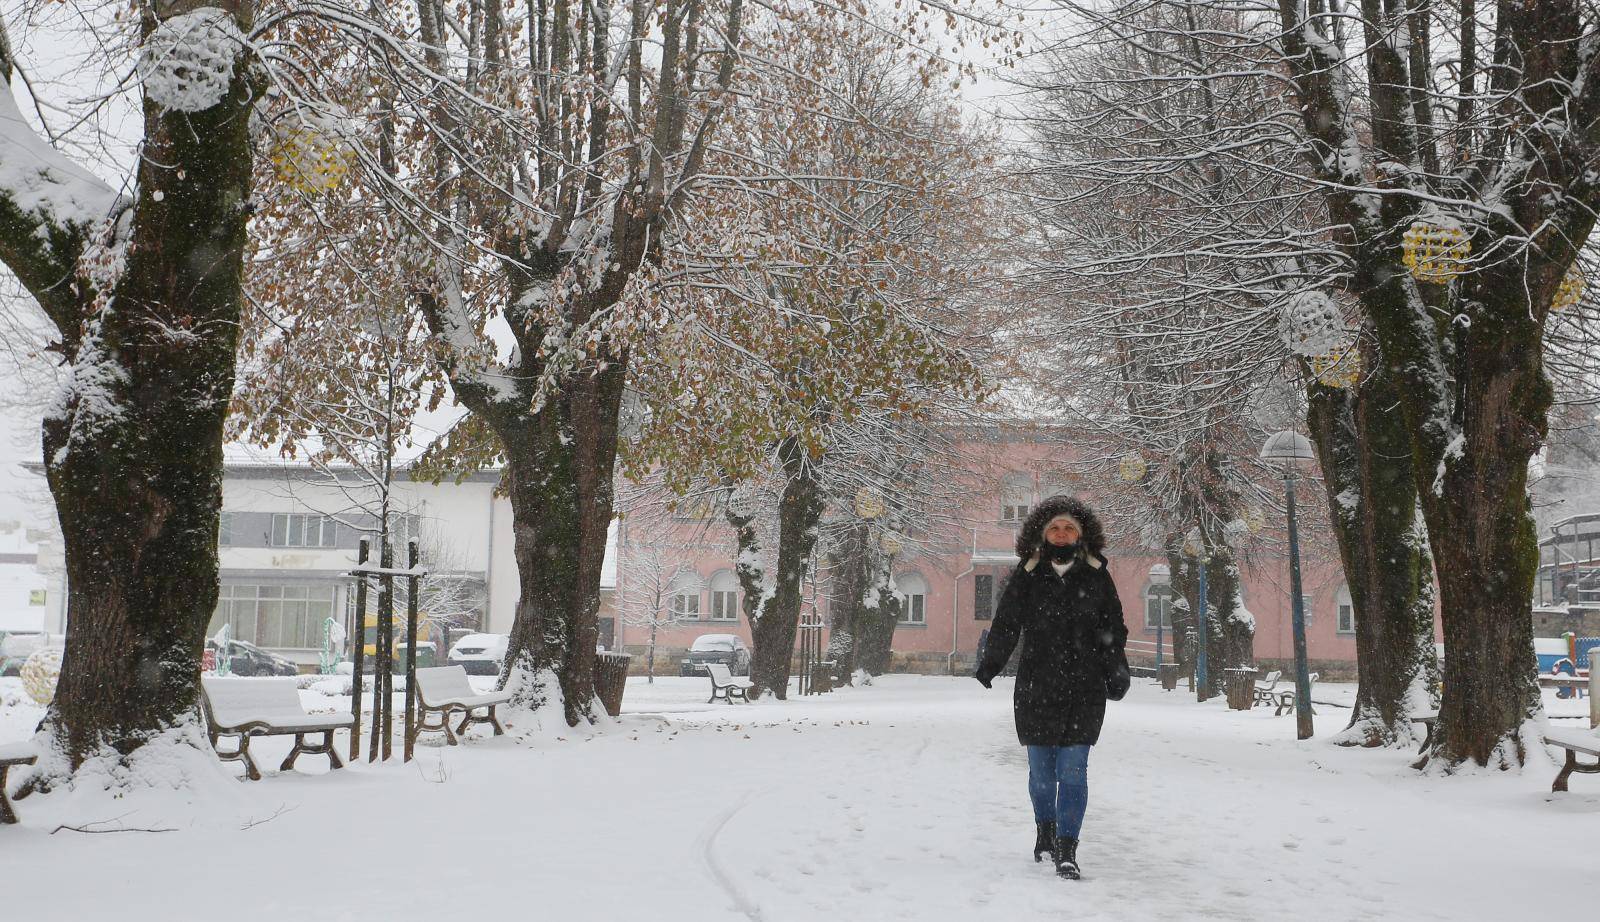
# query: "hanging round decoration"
{"type": "Point", "coordinates": [1571, 289]}
{"type": "Point", "coordinates": [891, 543]}
{"type": "Point", "coordinates": [310, 160]}
{"type": "Point", "coordinates": [1339, 368]}
{"type": "Point", "coordinates": [869, 505]}
{"type": "Point", "coordinates": [1132, 468]}
{"type": "Point", "coordinates": [1311, 323]}
{"type": "Point", "coordinates": [40, 672]}
{"type": "Point", "coordinates": [1255, 519]}
{"type": "Point", "coordinates": [742, 502]}
{"type": "Point", "coordinates": [1435, 249]}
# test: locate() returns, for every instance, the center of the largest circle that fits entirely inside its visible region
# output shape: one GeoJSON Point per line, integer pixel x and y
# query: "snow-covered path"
{"type": "Point", "coordinates": [905, 800]}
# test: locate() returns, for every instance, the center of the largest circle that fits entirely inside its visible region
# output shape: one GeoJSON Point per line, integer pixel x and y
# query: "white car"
{"type": "Point", "coordinates": [480, 654]}
{"type": "Point", "coordinates": [728, 649]}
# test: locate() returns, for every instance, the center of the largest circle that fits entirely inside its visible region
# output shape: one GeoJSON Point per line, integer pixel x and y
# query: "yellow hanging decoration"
{"type": "Point", "coordinates": [1436, 249]}
{"type": "Point", "coordinates": [869, 505]}
{"type": "Point", "coordinates": [1340, 368]}
{"type": "Point", "coordinates": [1571, 289]}
{"type": "Point", "coordinates": [1255, 519]}
{"type": "Point", "coordinates": [891, 543]}
{"type": "Point", "coordinates": [1132, 468]}
{"type": "Point", "coordinates": [310, 160]}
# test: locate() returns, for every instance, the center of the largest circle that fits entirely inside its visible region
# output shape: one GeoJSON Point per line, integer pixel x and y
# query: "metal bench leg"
{"type": "Point", "coordinates": [7, 815]}
{"type": "Point", "coordinates": [299, 746]}
{"type": "Point", "coordinates": [1566, 772]}
{"type": "Point", "coordinates": [250, 770]}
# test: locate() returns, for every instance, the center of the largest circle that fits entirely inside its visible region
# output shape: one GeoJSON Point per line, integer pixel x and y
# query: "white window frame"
{"type": "Point", "coordinates": [913, 605]}
{"type": "Point", "coordinates": [1017, 497]}
{"type": "Point", "coordinates": [247, 603]}
{"type": "Point", "coordinates": [724, 598]}
{"type": "Point", "coordinates": [293, 529]}
{"type": "Point", "coordinates": [1151, 593]}
{"type": "Point", "coordinates": [1346, 609]}
{"type": "Point", "coordinates": [686, 605]}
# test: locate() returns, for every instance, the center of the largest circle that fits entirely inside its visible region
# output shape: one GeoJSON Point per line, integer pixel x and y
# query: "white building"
{"type": "Point", "coordinates": [289, 535]}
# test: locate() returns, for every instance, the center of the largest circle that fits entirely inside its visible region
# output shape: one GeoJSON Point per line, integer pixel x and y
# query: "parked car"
{"type": "Point", "coordinates": [247, 659]}
{"type": "Point", "coordinates": [480, 654]}
{"type": "Point", "coordinates": [728, 649]}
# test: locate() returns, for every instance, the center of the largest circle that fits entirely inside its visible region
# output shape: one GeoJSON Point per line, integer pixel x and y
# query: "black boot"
{"type": "Point", "coordinates": [1067, 858]}
{"type": "Point", "coordinates": [1045, 842]}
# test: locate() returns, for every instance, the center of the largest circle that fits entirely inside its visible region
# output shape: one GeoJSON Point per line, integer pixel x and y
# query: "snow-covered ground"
{"type": "Point", "coordinates": [905, 800]}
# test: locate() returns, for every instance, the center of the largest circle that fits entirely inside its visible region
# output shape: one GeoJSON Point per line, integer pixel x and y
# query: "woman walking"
{"type": "Point", "coordinates": [1064, 607]}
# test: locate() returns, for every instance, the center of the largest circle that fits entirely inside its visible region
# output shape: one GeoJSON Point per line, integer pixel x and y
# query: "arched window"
{"type": "Point", "coordinates": [1016, 497]}
{"type": "Point", "coordinates": [1158, 605]}
{"type": "Point", "coordinates": [724, 596]}
{"type": "Point", "coordinates": [913, 592]}
{"type": "Point", "coordinates": [1347, 610]}
{"type": "Point", "coordinates": [686, 596]}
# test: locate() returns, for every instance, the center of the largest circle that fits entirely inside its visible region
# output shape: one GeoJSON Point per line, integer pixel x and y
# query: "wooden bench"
{"type": "Point", "coordinates": [1264, 688]}
{"type": "Point", "coordinates": [1428, 719]}
{"type": "Point", "coordinates": [443, 690]}
{"type": "Point", "coordinates": [1574, 743]}
{"type": "Point", "coordinates": [725, 685]}
{"type": "Point", "coordinates": [1285, 698]}
{"type": "Point", "coordinates": [12, 754]}
{"type": "Point", "coordinates": [266, 707]}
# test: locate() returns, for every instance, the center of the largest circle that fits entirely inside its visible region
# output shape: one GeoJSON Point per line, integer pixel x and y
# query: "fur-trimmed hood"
{"type": "Point", "coordinates": [1094, 534]}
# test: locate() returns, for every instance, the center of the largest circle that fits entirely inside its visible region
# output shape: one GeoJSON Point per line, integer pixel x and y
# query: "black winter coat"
{"type": "Point", "coordinates": [1072, 656]}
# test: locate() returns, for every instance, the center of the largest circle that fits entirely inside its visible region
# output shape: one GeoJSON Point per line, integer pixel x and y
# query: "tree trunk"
{"type": "Point", "coordinates": [134, 455]}
{"type": "Point", "coordinates": [559, 464]}
{"type": "Point", "coordinates": [1186, 583]}
{"type": "Point", "coordinates": [773, 630]}
{"type": "Point", "coordinates": [845, 605]}
{"type": "Point", "coordinates": [1364, 453]}
{"type": "Point", "coordinates": [1484, 539]}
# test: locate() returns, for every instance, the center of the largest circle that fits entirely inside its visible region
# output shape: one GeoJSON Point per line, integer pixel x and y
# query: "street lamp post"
{"type": "Point", "coordinates": [1194, 546]}
{"type": "Point", "coordinates": [1290, 448]}
{"type": "Point", "coordinates": [1161, 575]}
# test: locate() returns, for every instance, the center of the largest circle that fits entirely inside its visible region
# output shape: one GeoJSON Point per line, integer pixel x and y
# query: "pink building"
{"type": "Point", "coordinates": [951, 594]}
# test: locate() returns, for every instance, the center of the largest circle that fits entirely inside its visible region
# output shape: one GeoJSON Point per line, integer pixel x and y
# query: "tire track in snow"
{"type": "Point", "coordinates": [706, 844]}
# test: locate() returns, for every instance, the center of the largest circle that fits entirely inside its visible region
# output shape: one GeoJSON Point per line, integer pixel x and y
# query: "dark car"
{"type": "Point", "coordinates": [728, 649]}
{"type": "Point", "coordinates": [247, 659]}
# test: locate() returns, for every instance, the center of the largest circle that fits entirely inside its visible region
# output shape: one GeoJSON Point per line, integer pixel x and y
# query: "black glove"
{"type": "Point", "coordinates": [1117, 681]}
{"type": "Point", "coordinates": [984, 678]}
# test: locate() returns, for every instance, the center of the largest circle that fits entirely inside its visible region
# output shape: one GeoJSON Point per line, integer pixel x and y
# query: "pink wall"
{"type": "Point", "coordinates": [950, 574]}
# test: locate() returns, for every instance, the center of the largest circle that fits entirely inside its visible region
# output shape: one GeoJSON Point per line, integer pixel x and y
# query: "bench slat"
{"type": "Point", "coordinates": [439, 686]}
{"type": "Point", "coordinates": [1588, 745]}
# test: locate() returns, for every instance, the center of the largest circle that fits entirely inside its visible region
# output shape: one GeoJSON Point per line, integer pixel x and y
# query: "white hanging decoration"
{"type": "Point", "coordinates": [1311, 324]}
{"type": "Point", "coordinates": [186, 65]}
{"type": "Point", "coordinates": [40, 672]}
{"type": "Point", "coordinates": [742, 501]}
{"type": "Point", "coordinates": [1235, 532]}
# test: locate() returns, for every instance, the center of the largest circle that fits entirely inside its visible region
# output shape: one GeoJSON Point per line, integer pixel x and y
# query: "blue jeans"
{"type": "Point", "coordinates": [1058, 783]}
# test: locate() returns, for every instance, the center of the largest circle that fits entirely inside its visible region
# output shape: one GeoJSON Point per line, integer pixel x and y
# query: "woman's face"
{"type": "Point", "coordinates": [1062, 530]}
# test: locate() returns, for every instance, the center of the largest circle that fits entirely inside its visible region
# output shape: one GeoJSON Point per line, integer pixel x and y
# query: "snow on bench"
{"type": "Point", "coordinates": [266, 707]}
{"type": "Point", "coordinates": [724, 685]}
{"type": "Point", "coordinates": [1285, 698]}
{"type": "Point", "coordinates": [1574, 743]}
{"type": "Point", "coordinates": [12, 754]}
{"type": "Point", "coordinates": [444, 689]}
{"type": "Point", "coordinates": [1264, 688]}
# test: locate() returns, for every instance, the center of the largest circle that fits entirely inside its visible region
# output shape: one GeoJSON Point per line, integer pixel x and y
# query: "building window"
{"type": "Point", "coordinates": [225, 529]}
{"type": "Point", "coordinates": [982, 597]}
{"type": "Point", "coordinates": [279, 617]}
{"type": "Point", "coordinates": [1347, 611]}
{"type": "Point", "coordinates": [686, 597]}
{"type": "Point", "coordinates": [724, 596]}
{"type": "Point", "coordinates": [296, 529]}
{"type": "Point", "coordinates": [1158, 606]}
{"type": "Point", "coordinates": [1305, 606]}
{"type": "Point", "coordinates": [1016, 497]}
{"type": "Point", "coordinates": [913, 592]}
